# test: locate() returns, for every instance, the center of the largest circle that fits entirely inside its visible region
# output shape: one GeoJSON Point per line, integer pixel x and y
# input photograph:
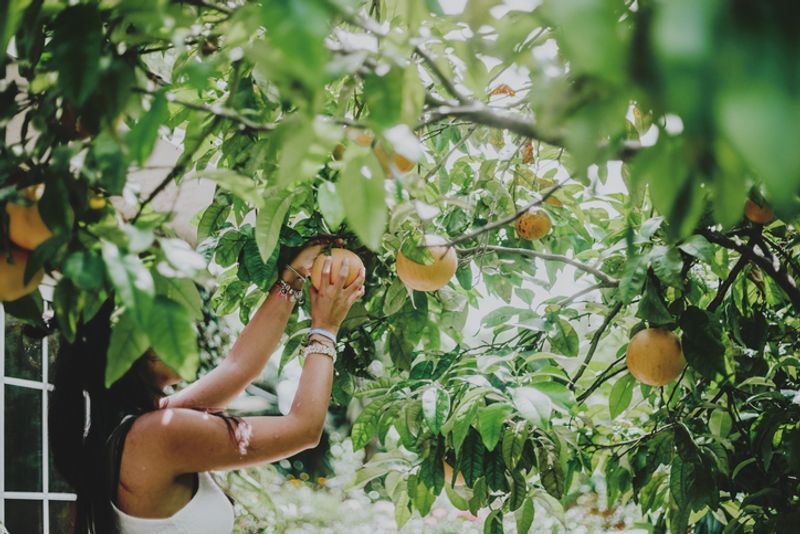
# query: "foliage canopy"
{"type": "Point", "coordinates": [692, 104]}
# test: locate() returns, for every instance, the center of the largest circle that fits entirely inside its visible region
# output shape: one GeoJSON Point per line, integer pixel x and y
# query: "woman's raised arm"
{"type": "Point", "coordinates": [252, 348]}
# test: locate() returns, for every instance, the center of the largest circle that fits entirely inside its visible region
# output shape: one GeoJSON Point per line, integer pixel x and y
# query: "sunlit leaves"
{"type": "Point", "coordinates": [621, 394]}
{"type": "Point", "coordinates": [143, 135]}
{"type": "Point", "coordinates": [171, 333]}
{"type": "Point", "coordinates": [366, 424]}
{"type": "Point", "coordinates": [131, 279]}
{"type": "Point", "coordinates": [435, 407]}
{"type": "Point", "coordinates": [305, 145]}
{"type": "Point", "coordinates": [533, 405]}
{"type": "Point", "coordinates": [490, 423]}
{"type": "Point", "coordinates": [330, 204]}
{"type": "Point", "coordinates": [270, 219]}
{"type": "Point", "coordinates": [128, 343]}
{"type": "Point", "coordinates": [361, 183]}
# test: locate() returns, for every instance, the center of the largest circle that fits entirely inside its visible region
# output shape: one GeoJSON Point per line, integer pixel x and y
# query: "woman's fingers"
{"type": "Point", "coordinates": [344, 272]}
{"type": "Point", "coordinates": [326, 269]}
{"type": "Point", "coordinates": [355, 295]}
{"type": "Point", "coordinates": [358, 282]}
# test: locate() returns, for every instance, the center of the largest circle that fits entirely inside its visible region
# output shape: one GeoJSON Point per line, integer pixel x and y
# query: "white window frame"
{"type": "Point", "coordinates": [44, 386]}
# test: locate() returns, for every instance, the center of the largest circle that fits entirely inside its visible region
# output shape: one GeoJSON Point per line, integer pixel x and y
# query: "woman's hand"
{"type": "Point", "coordinates": [330, 304]}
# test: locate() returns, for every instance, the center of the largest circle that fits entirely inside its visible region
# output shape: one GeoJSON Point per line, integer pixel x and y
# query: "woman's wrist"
{"type": "Point", "coordinates": [291, 277]}
{"type": "Point", "coordinates": [333, 329]}
{"type": "Point", "coordinates": [318, 338]}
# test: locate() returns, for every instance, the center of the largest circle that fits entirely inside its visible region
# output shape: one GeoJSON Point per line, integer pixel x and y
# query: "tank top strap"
{"type": "Point", "coordinates": [113, 454]}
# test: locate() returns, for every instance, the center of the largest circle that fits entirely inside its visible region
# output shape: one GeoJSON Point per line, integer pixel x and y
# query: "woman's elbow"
{"type": "Point", "coordinates": [310, 433]}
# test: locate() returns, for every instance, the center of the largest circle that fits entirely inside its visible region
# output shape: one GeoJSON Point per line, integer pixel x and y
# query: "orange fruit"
{"type": "Point", "coordinates": [402, 164]}
{"type": "Point", "coordinates": [429, 277]}
{"type": "Point", "coordinates": [13, 274]}
{"type": "Point", "coordinates": [527, 153]}
{"type": "Point", "coordinates": [655, 356]}
{"type": "Point", "coordinates": [533, 224]}
{"type": "Point", "coordinates": [26, 227]}
{"type": "Point", "coordinates": [758, 214]}
{"type": "Point", "coordinates": [339, 255]}
{"type": "Point", "coordinates": [448, 474]}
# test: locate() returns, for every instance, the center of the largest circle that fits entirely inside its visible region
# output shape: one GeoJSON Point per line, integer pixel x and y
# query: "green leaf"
{"type": "Point", "coordinates": [652, 308]}
{"type": "Point", "coordinates": [633, 277]}
{"type": "Point", "coordinates": [128, 343]}
{"type": "Point", "coordinates": [551, 471]}
{"type": "Point", "coordinates": [361, 184]}
{"type": "Point", "coordinates": [77, 45]}
{"type": "Point", "coordinates": [518, 491]}
{"type": "Point", "coordinates": [533, 405]}
{"type": "Point", "coordinates": [395, 297]}
{"type": "Point", "coordinates": [229, 247]}
{"type": "Point", "coordinates": [621, 394]}
{"type": "Point", "coordinates": [131, 279]}
{"type": "Point", "coordinates": [493, 523]}
{"type": "Point", "coordinates": [490, 423]}
{"type": "Point", "coordinates": [513, 442]}
{"type": "Point", "coordinates": [213, 217]}
{"type": "Point", "coordinates": [330, 205]}
{"type": "Point", "coordinates": [243, 187]}
{"type": "Point", "coordinates": [699, 247]}
{"type": "Point", "coordinates": [270, 219]}
{"type": "Point", "coordinates": [173, 337]}
{"type": "Point", "coordinates": [10, 13]}
{"type": "Point", "coordinates": [305, 148]}
{"type": "Point", "coordinates": [563, 338]}
{"type": "Point", "coordinates": [183, 291]}
{"type": "Point", "coordinates": [366, 424]}
{"type": "Point", "coordinates": [142, 137]}
{"type": "Point", "coordinates": [667, 264]}
{"type": "Point", "coordinates": [435, 407]}
{"type": "Point", "coordinates": [471, 457]}
{"type": "Point", "coordinates": [524, 517]}
{"type": "Point", "coordinates": [702, 342]}
{"type": "Point", "coordinates": [85, 269]}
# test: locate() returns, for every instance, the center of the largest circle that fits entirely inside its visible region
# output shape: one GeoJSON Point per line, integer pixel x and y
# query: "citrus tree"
{"type": "Point", "coordinates": [494, 134]}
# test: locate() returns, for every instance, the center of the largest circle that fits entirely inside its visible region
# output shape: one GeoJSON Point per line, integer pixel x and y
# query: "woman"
{"type": "Point", "coordinates": [142, 467]}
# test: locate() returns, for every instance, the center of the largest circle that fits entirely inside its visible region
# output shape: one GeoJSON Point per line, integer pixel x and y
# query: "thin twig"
{"type": "Point", "coordinates": [604, 377]}
{"type": "Point", "coordinates": [776, 272]}
{"type": "Point", "coordinates": [606, 279]}
{"type": "Point", "coordinates": [594, 343]}
{"type": "Point", "coordinates": [437, 71]}
{"type": "Point", "coordinates": [456, 146]}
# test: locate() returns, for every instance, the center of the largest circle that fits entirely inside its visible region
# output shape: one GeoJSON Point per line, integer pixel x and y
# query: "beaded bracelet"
{"type": "Point", "coordinates": [288, 292]}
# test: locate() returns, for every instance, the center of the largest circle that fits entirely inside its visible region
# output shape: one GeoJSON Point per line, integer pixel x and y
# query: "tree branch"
{"type": "Point", "coordinates": [594, 343]}
{"type": "Point", "coordinates": [505, 220]}
{"type": "Point", "coordinates": [775, 270]}
{"type": "Point", "coordinates": [606, 279]}
{"type": "Point", "coordinates": [437, 71]}
{"type": "Point", "coordinates": [600, 380]}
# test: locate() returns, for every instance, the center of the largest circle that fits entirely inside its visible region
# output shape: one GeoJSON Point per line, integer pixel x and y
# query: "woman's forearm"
{"type": "Point", "coordinates": [247, 358]}
{"type": "Point", "coordinates": [310, 405]}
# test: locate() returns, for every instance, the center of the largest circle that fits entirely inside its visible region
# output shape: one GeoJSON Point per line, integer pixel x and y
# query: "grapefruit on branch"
{"type": "Point", "coordinates": [429, 277]}
{"type": "Point", "coordinates": [13, 274]}
{"type": "Point", "coordinates": [338, 255]}
{"type": "Point", "coordinates": [655, 356]}
{"type": "Point", "coordinates": [758, 214]}
{"type": "Point", "coordinates": [533, 224]}
{"type": "Point", "coordinates": [26, 227]}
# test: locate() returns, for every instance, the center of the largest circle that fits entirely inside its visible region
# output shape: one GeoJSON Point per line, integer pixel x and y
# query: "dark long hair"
{"type": "Point", "coordinates": [79, 455]}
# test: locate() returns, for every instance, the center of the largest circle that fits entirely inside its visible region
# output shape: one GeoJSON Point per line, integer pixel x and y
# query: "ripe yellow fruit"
{"type": "Point", "coordinates": [338, 255]}
{"type": "Point", "coordinates": [12, 276]}
{"type": "Point", "coordinates": [429, 277]}
{"type": "Point", "coordinates": [655, 356]}
{"type": "Point", "coordinates": [533, 225]}
{"type": "Point", "coordinates": [26, 227]}
{"type": "Point", "coordinates": [758, 214]}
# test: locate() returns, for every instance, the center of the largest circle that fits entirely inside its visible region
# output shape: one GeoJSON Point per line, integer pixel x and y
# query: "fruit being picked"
{"type": "Point", "coordinates": [338, 255]}
{"type": "Point", "coordinates": [758, 214]}
{"type": "Point", "coordinates": [533, 224]}
{"type": "Point", "coordinates": [655, 356]}
{"type": "Point", "coordinates": [429, 277]}
{"type": "Point", "coordinates": [26, 227]}
{"type": "Point", "coordinates": [12, 275]}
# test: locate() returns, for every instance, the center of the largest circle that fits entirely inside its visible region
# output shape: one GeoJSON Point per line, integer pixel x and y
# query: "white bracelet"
{"type": "Point", "coordinates": [324, 333]}
{"type": "Point", "coordinates": [320, 348]}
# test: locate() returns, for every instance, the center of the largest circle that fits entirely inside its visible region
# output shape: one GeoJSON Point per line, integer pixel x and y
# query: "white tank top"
{"type": "Point", "coordinates": [208, 512]}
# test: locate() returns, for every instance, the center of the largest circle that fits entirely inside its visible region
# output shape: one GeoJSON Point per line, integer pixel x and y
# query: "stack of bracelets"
{"type": "Point", "coordinates": [293, 295]}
